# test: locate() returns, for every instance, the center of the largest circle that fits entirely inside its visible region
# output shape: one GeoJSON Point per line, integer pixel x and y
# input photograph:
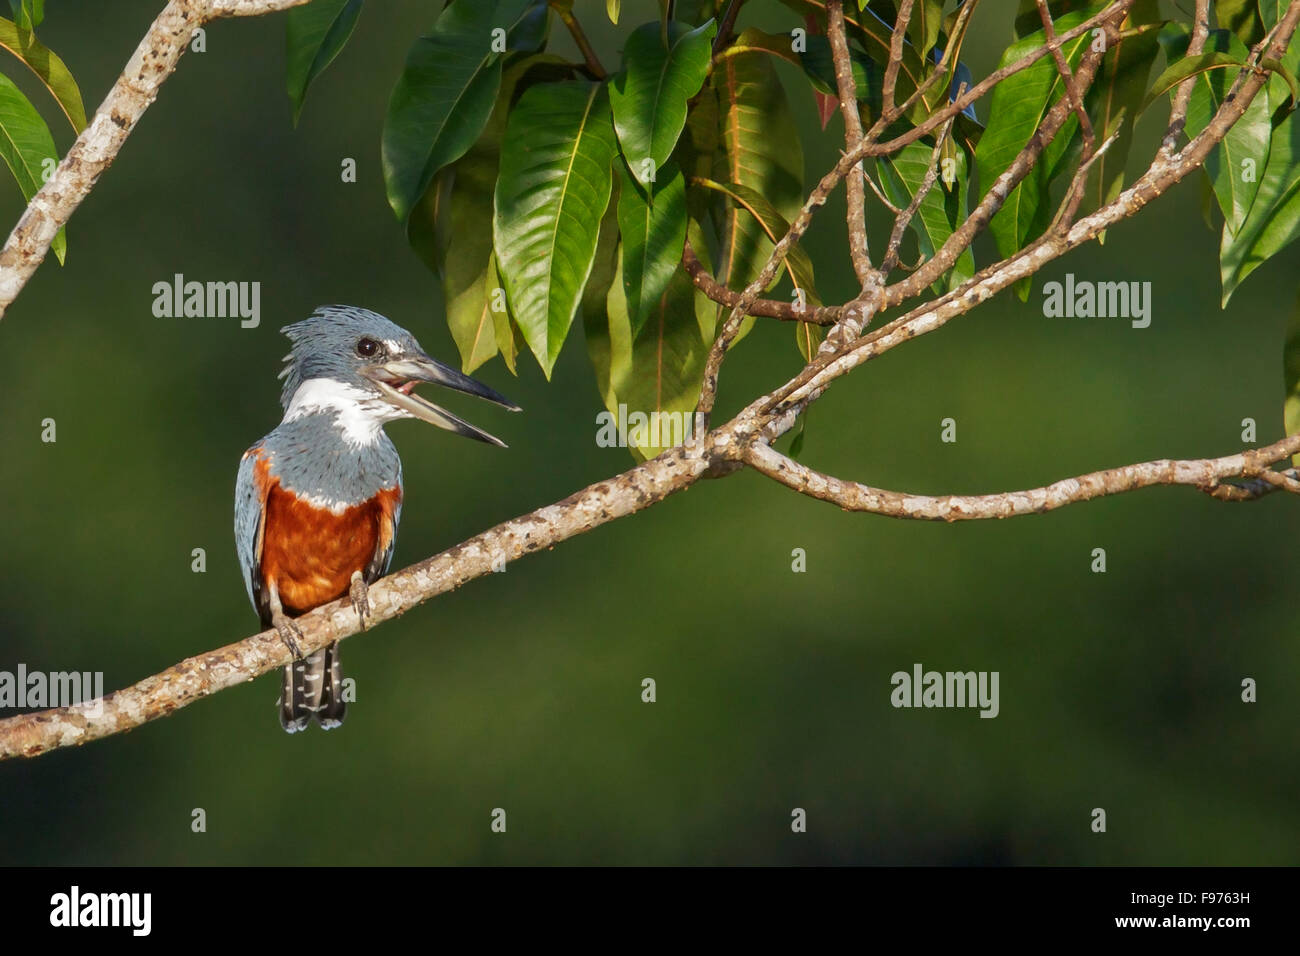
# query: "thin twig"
{"type": "Point", "coordinates": [565, 13]}
{"type": "Point", "coordinates": [905, 217]}
{"type": "Point", "coordinates": [770, 308]}
{"type": "Point", "coordinates": [1067, 77]}
{"type": "Point", "coordinates": [1183, 94]}
{"type": "Point", "coordinates": [895, 57]}
{"type": "Point", "coordinates": [726, 24]}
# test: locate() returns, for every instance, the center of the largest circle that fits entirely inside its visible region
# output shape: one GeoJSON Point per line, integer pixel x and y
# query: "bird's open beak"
{"type": "Point", "coordinates": [396, 380]}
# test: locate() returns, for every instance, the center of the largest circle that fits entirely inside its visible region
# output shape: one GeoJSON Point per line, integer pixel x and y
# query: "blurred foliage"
{"type": "Point", "coordinates": [522, 690]}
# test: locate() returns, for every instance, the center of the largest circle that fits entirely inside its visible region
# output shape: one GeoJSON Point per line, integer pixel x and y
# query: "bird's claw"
{"type": "Point", "coordinates": [359, 592]}
{"type": "Point", "coordinates": [289, 633]}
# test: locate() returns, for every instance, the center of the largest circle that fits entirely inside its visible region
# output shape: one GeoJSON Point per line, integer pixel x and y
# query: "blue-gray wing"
{"type": "Point", "coordinates": [250, 505]}
{"type": "Point", "coordinates": [378, 566]}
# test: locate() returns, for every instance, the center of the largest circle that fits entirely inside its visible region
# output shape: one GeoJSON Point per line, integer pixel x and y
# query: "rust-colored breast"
{"type": "Point", "coordinates": [309, 553]}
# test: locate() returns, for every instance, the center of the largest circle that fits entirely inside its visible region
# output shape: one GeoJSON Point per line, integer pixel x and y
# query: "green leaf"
{"type": "Point", "coordinates": [796, 443]}
{"type": "Point", "coordinates": [773, 226]}
{"type": "Point", "coordinates": [1019, 104]}
{"type": "Point", "coordinates": [1270, 11]}
{"type": "Point", "coordinates": [1114, 102]}
{"type": "Point", "coordinates": [469, 269]}
{"type": "Point", "coordinates": [808, 337]}
{"type": "Point", "coordinates": [653, 227]}
{"type": "Point", "coordinates": [608, 255]}
{"type": "Point", "coordinates": [649, 97]}
{"type": "Point", "coordinates": [656, 374]}
{"type": "Point", "coordinates": [697, 151]}
{"type": "Point", "coordinates": [1235, 164]}
{"type": "Point", "coordinates": [1208, 202]}
{"type": "Point", "coordinates": [934, 222]}
{"type": "Point", "coordinates": [697, 11]}
{"type": "Point", "coordinates": [923, 27]}
{"type": "Point", "coordinates": [314, 35]}
{"type": "Point", "coordinates": [1291, 377]}
{"type": "Point", "coordinates": [761, 153]}
{"type": "Point", "coordinates": [1241, 17]}
{"type": "Point", "coordinates": [814, 58]}
{"type": "Point", "coordinates": [1029, 20]}
{"type": "Point", "coordinates": [25, 144]}
{"type": "Point", "coordinates": [28, 14]}
{"type": "Point", "coordinates": [1190, 66]}
{"type": "Point", "coordinates": [875, 35]}
{"type": "Point", "coordinates": [49, 68]}
{"type": "Point", "coordinates": [819, 65]}
{"type": "Point", "coordinates": [779, 45]}
{"type": "Point", "coordinates": [509, 340]}
{"type": "Point", "coordinates": [475, 332]}
{"type": "Point", "coordinates": [428, 229]}
{"type": "Point", "coordinates": [612, 8]}
{"type": "Point", "coordinates": [554, 184]}
{"type": "Point", "coordinates": [1274, 218]}
{"type": "Point", "coordinates": [796, 263]}
{"type": "Point", "coordinates": [446, 230]}
{"type": "Point", "coordinates": [531, 31]}
{"type": "Point", "coordinates": [444, 96]}
{"type": "Point", "coordinates": [606, 363]}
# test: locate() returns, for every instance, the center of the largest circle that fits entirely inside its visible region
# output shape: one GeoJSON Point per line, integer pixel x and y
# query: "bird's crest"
{"type": "Point", "coordinates": [322, 337]}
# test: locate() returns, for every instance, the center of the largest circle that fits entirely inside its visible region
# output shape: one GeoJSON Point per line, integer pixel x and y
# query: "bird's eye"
{"type": "Point", "coordinates": [367, 347]}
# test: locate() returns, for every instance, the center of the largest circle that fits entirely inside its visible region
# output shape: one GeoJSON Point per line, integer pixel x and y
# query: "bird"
{"type": "Point", "coordinates": [319, 498]}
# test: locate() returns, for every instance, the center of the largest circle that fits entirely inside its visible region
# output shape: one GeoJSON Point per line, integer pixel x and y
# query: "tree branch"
{"type": "Point", "coordinates": [28, 735]}
{"type": "Point", "coordinates": [154, 60]}
{"type": "Point", "coordinates": [726, 25]}
{"type": "Point", "coordinates": [1205, 473]}
{"type": "Point", "coordinates": [1011, 177]}
{"type": "Point", "coordinates": [771, 308]}
{"type": "Point", "coordinates": [848, 95]}
{"type": "Point", "coordinates": [1163, 173]}
{"type": "Point", "coordinates": [856, 311]}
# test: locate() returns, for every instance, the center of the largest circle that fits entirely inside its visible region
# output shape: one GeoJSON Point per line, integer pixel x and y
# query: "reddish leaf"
{"type": "Point", "coordinates": [826, 106]}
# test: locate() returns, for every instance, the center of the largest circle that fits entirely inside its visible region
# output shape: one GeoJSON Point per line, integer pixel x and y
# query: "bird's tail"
{"type": "Point", "coordinates": [313, 687]}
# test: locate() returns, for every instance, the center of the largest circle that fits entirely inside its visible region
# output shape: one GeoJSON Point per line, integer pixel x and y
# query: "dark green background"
{"type": "Point", "coordinates": [522, 691]}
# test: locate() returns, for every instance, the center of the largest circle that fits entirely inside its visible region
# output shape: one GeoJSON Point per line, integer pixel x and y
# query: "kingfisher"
{"type": "Point", "coordinates": [318, 500]}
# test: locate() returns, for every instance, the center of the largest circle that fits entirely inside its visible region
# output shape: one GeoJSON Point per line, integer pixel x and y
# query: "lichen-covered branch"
{"type": "Point", "coordinates": [30, 734]}
{"type": "Point", "coordinates": [1207, 474]}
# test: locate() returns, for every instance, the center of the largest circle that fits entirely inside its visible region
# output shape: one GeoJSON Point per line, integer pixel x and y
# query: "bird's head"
{"type": "Point", "coordinates": [362, 368]}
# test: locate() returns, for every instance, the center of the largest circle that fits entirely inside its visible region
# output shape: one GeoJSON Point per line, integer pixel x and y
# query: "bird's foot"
{"type": "Point", "coordinates": [359, 592]}
{"type": "Point", "coordinates": [289, 632]}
